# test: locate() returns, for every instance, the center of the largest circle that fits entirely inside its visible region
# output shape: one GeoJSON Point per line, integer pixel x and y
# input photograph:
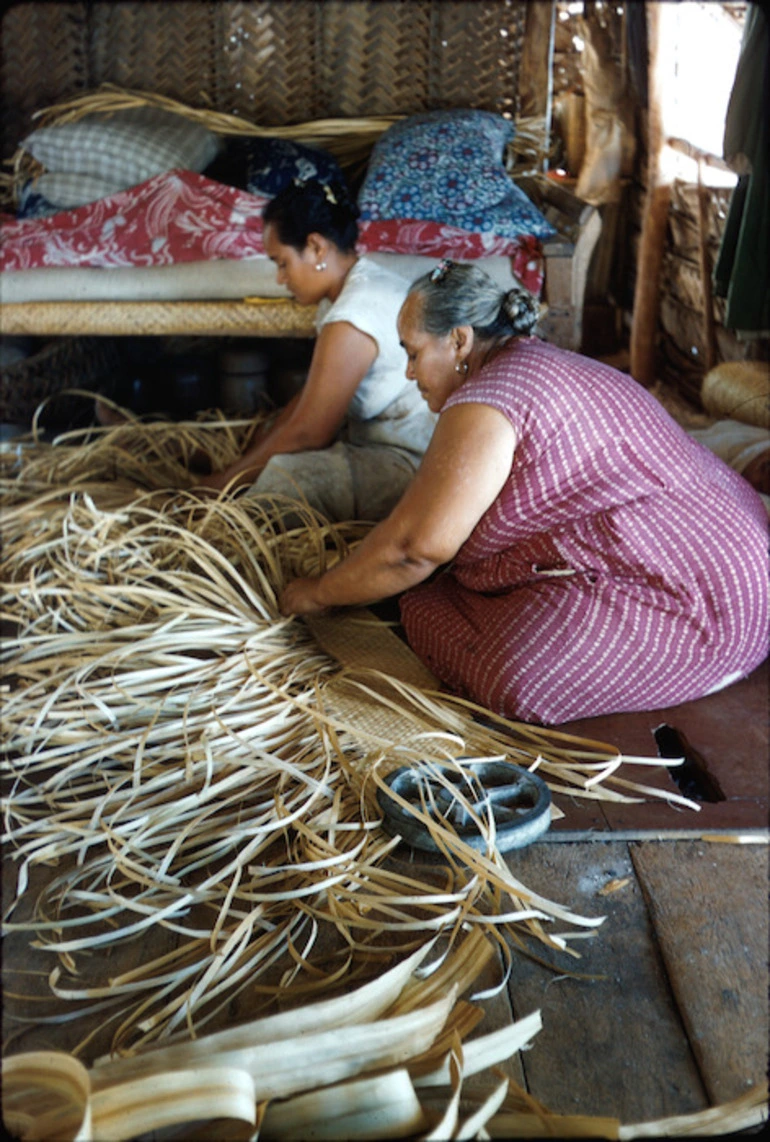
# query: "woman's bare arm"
{"type": "Point", "coordinates": [463, 470]}
{"type": "Point", "coordinates": [341, 359]}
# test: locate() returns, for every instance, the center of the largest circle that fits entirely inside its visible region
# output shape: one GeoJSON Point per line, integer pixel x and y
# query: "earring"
{"type": "Point", "coordinates": [461, 367]}
{"type": "Point", "coordinates": [320, 266]}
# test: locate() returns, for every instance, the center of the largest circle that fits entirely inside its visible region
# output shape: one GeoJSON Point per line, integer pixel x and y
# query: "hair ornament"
{"type": "Point", "coordinates": [330, 195]}
{"type": "Point", "coordinates": [442, 269]}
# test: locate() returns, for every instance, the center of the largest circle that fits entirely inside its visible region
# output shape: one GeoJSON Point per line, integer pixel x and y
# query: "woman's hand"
{"type": "Point", "coordinates": [216, 482]}
{"type": "Point", "coordinates": [300, 597]}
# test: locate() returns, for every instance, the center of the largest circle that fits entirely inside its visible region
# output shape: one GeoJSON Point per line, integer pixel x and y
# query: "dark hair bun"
{"type": "Point", "coordinates": [312, 206]}
{"type": "Point", "coordinates": [326, 197]}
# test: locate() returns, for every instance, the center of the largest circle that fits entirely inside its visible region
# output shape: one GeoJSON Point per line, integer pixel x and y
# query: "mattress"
{"type": "Point", "coordinates": [211, 280]}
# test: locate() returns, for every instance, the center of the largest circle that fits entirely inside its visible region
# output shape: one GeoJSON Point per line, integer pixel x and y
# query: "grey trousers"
{"type": "Point", "coordinates": [342, 482]}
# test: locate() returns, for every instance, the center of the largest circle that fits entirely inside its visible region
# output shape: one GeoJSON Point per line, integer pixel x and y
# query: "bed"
{"type": "Point", "coordinates": [228, 289]}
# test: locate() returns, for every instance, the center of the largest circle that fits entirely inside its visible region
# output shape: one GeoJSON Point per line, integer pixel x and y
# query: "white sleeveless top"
{"type": "Point", "coordinates": [386, 408]}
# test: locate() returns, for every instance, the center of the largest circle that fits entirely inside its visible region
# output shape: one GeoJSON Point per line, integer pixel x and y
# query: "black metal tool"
{"type": "Point", "coordinates": [519, 802]}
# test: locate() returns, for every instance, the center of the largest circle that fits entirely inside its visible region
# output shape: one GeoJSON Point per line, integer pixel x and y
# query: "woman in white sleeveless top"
{"type": "Point", "coordinates": [352, 438]}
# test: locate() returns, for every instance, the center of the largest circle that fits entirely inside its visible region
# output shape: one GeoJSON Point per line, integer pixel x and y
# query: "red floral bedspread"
{"type": "Point", "coordinates": [181, 216]}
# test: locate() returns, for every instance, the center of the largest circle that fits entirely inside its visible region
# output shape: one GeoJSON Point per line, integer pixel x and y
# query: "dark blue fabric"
{"type": "Point", "coordinates": [32, 204]}
{"type": "Point", "coordinates": [266, 166]}
{"type": "Point", "coordinates": [273, 163]}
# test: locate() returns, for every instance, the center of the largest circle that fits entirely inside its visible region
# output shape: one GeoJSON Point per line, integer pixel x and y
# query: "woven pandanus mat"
{"type": "Point", "coordinates": [279, 317]}
{"type": "Point", "coordinates": [357, 639]}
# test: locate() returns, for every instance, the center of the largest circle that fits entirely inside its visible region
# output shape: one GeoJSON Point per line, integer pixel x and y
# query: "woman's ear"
{"type": "Point", "coordinates": [317, 247]}
{"type": "Point", "coordinates": [462, 341]}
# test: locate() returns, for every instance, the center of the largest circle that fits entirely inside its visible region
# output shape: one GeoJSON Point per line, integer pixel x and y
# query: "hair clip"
{"type": "Point", "coordinates": [330, 196]}
{"type": "Point", "coordinates": [441, 270]}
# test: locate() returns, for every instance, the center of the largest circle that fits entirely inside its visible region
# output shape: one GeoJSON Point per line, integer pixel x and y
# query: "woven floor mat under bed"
{"type": "Point", "coordinates": [727, 733]}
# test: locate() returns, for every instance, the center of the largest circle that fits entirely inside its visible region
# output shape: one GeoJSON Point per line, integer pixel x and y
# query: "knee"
{"type": "Point", "coordinates": [320, 480]}
{"type": "Point", "coordinates": [278, 478]}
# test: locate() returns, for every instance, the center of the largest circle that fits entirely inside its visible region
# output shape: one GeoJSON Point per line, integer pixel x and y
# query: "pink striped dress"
{"type": "Point", "coordinates": [622, 567]}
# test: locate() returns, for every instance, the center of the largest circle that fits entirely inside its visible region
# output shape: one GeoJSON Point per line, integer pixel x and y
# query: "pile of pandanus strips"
{"type": "Point", "coordinates": [385, 1061]}
{"type": "Point", "coordinates": [187, 759]}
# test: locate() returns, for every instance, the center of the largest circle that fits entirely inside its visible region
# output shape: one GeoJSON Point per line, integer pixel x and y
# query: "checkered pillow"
{"type": "Point", "coordinates": [64, 189]}
{"type": "Point", "coordinates": [124, 148]}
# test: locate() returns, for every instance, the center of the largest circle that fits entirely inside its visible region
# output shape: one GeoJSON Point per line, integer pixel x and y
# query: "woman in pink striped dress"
{"type": "Point", "coordinates": [565, 549]}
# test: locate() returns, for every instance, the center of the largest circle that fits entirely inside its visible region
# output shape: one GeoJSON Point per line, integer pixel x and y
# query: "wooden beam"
{"type": "Point", "coordinates": [709, 335]}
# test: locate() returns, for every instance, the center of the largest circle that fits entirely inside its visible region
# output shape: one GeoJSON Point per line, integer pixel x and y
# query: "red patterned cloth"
{"type": "Point", "coordinates": [181, 216]}
{"type": "Point", "coordinates": [622, 567]}
{"type": "Point", "coordinates": [178, 216]}
{"type": "Point", "coordinates": [410, 236]}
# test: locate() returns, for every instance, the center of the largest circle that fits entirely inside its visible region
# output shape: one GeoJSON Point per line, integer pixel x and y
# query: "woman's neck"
{"type": "Point", "coordinates": [340, 266]}
{"type": "Point", "coordinates": [485, 351]}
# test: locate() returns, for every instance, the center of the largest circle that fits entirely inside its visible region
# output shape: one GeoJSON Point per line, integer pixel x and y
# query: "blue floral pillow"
{"type": "Point", "coordinates": [447, 166]}
{"type": "Point", "coordinates": [273, 163]}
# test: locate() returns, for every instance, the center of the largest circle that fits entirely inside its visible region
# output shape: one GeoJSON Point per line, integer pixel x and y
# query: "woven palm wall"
{"type": "Point", "coordinates": [274, 63]}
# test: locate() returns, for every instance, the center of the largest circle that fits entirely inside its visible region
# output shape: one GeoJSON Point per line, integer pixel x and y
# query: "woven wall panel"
{"type": "Point", "coordinates": [376, 56]}
{"type": "Point", "coordinates": [271, 61]}
{"type": "Point", "coordinates": [43, 58]}
{"type": "Point", "coordinates": [172, 49]}
{"type": "Point", "coordinates": [475, 55]}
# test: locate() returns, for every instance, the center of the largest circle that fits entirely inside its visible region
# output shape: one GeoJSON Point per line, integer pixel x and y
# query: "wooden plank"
{"type": "Point", "coordinates": [612, 1042]}
{"type": "Point", "coordinates": [709, 906]}
{"type": "Point", "coordinates": [579, 816]}
{"type": "Point", "coordinates": [535, 73]}
{"type": "Point", "coordinates": [33, 1017]}
{"type": "Point", "coordinates": [652, 241]}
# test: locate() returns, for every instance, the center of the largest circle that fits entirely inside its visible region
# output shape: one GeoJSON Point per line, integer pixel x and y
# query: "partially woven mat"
{"type": "Point", "coordinates": [359, 640]}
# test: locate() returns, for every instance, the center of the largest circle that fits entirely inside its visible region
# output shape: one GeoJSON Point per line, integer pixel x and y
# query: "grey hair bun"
{"type": "Point", "coordinates": [457, 293]}
{"type": "Point", "coordinates": [521, 310]}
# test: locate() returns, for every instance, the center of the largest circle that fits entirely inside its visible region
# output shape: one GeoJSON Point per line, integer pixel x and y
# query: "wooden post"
{"type": "Point", "coordinates": [660, 30]}
{"type": "Point", "coordinates": [709, 336]}
{"type": "Point", "coordinates": [536, 69]}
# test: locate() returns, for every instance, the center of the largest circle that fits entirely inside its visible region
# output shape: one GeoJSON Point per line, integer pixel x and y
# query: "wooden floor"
{"type": "Point", "coordinates": [665, 1012]}
{"type": "Point", "coordinates": [671, 1015]}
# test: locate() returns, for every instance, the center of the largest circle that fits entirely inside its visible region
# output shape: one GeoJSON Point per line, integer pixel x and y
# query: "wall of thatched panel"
{"type": "Point", "coordinates": [270, 61]}
{"type": "Point", "coordinates": [684, 352]}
